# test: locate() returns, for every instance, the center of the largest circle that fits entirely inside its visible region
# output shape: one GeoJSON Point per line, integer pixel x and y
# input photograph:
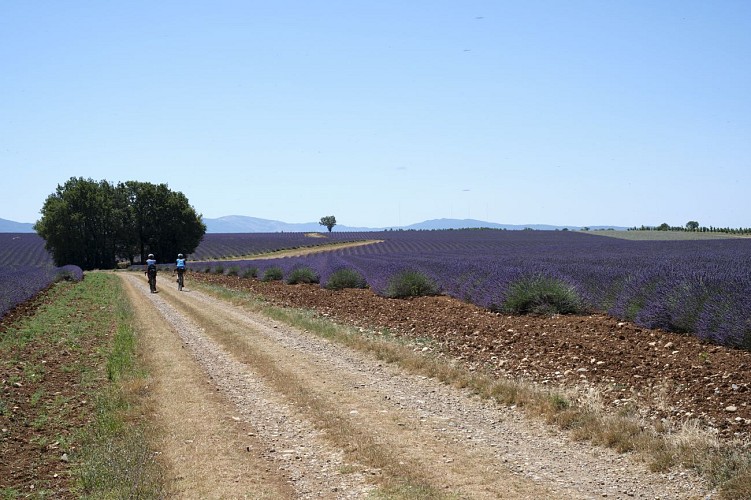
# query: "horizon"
{"type": "Point", "coordinates": [523, 225]}
{"type": "Point", "coordinates": [386, 113]}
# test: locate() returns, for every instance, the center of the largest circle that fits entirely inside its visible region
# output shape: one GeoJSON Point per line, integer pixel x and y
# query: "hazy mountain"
{"type": "Point", "coordinates": [9, 226]}
{"type": "Point", "coordinates": [472, 223]}
{"type": "Point", "coordinates": [244, 224]}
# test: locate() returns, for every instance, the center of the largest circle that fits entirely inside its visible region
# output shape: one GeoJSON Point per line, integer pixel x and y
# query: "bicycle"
{"type": "Point", "coordinates": [151, 272]}
{"type": "Point", "coordinates": [180, 270]}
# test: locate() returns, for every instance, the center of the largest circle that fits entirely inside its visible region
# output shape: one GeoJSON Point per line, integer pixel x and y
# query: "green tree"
{"type": "Point", "coordinates": [692, 225]}
{"type": "Point", "coordinates": [83, 223]}
{"type": "Point", "coordinates": [163, 222]}
{"type": "Point", "coordinates": [91, 224]}
{"type": "Point", "coordinates": [329, 221]}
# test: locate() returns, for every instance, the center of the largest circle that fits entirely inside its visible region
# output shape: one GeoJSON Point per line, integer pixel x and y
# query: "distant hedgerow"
{"type": "Point", "coordinates": [411, 284]}
{"type": "Point", "coordinates": [273, 274]}
{"type": "Point", "coordinates": [541, 295]}
{"type": "Point", "coordinates": [346, 278]}
{"type": "Point", "coordinates": [302, 275]}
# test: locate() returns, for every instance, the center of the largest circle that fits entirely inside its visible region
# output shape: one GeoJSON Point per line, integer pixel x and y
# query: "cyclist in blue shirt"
{"type": "Point", "coordinates": [180, 268]}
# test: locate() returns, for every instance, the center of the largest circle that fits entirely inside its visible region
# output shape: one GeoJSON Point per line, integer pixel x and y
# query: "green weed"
{"type": "Point", "coordinates": [541, 295]}
{"type": "Point", "coordinates": [302, 275]}
{"type": "Point", "coordinates": [411, 284]}
{"type": "Point", "coordinates": [346, 278]}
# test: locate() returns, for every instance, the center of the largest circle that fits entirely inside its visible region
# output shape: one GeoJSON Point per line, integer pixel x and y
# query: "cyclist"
{"type": "Point", "coordinates": [151, 272]}
{"type": "Point", "coordinates": [180, 268]}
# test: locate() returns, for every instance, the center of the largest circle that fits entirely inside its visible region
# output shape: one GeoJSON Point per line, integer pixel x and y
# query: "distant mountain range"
{"type": "Point", "coordinates": [244, 224]}
{"type": "Point", "coordinates": [9, 226]}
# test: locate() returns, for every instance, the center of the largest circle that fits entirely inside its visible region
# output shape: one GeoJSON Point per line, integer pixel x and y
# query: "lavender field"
{"type": "Point", "coordinates": [230, 245]}
{"type": "Point", "coordinates": [698, 287]}
{"type": "Point", "coordinates": [26, 268]}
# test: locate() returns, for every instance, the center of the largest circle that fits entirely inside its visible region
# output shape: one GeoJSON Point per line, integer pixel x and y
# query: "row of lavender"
{"type": "Point", "coordinates": [700, 287]}
{"type": "Point", "coordinates": [26, 268]}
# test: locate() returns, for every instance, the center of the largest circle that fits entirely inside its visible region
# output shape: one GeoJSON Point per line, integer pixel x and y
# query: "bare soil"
{"type": "Point", "coordinates": [35, 443]}
{"type": "Point", "coordinates": [670, 376]}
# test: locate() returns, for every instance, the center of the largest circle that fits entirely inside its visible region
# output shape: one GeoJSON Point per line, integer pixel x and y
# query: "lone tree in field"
{"type": "Point", "coordinates": [329, 221]}
{"type": "Point", "coordinates": [93, 223]}
{"type": "Point", "coordinates": [692, 225]}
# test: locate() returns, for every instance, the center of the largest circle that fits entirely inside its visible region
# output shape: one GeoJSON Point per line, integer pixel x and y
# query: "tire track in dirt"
{"type": "Point", "coordinates": [442, 436]}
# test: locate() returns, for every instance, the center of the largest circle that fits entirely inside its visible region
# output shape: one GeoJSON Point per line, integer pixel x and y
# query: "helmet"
{"type": "Point", "coordinates": [179, 256]}
{"type": "Point", "coordinates": [151, 256]}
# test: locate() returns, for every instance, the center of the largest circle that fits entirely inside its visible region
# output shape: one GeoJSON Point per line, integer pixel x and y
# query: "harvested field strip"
{"type": "Point", "coordinates": [298, 252]}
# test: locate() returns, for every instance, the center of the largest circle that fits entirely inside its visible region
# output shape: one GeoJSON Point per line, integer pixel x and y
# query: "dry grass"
{"type": "Point", "coordinates": [297, 252]}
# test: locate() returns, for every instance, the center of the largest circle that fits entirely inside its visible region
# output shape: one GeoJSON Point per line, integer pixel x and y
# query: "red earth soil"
{"type": "Point", "coordinates": [34, 443]}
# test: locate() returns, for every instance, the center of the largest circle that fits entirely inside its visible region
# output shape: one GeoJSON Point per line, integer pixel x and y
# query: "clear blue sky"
{"type": "Point", "coordinates": [383, 112]}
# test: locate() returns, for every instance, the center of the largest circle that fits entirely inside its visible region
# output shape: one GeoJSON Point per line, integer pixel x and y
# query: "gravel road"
{"type": "Point", "coordinates": [275, 382]}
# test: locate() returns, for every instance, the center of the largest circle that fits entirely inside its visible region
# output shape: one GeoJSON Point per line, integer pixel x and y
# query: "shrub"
{"type": "Point", "coordinates": [302, 275]}
{"type": "Point", "coordinates": [541, 295]}
{"type": "Point", "coordinates": [233, 271]}
{"type": "Point", "coordinates": [250, 272]}
{"type": "Point", "coordinates": [218, 269]}
{"type": "Point", "coordinates": [69, 273]}
{"type": "Point", "coordinates": [273, 274]}
{"type": "Point", "coordinates": [411, 284]}
{"type": "Point", "coordinates": [346, 278]}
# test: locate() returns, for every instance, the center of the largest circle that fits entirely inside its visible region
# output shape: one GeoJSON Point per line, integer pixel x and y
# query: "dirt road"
{"type": "Point", "coordinates": [249, 407]}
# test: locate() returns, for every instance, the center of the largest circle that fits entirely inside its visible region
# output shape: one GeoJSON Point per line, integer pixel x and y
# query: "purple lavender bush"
{"type": "Point", "coordinates": [26, 268]}
{"type": "Point", "coordinates": [695, 287]}
{"type": "Point", "coordinates": [21, 283]}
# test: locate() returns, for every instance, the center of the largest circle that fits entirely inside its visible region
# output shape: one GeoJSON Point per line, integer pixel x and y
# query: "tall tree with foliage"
{"type": "Point", "coordinates": [83, 223]}
{"type": "Point", "coordinates": [164, 223]}
{"type": "Point", "coordinates": [93, 223]}
{"type": "Point", "coordinates": [329, 221]}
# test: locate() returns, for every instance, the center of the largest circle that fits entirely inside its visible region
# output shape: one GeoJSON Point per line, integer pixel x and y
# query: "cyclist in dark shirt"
{"type": "Point", "coordinates": [151, 272]}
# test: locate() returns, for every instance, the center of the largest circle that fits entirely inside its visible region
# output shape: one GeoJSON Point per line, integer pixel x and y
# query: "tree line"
{"type": "Point", "coordinates": [93, 224]}
{"type": "Point", "coordinates": [695, 227]}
